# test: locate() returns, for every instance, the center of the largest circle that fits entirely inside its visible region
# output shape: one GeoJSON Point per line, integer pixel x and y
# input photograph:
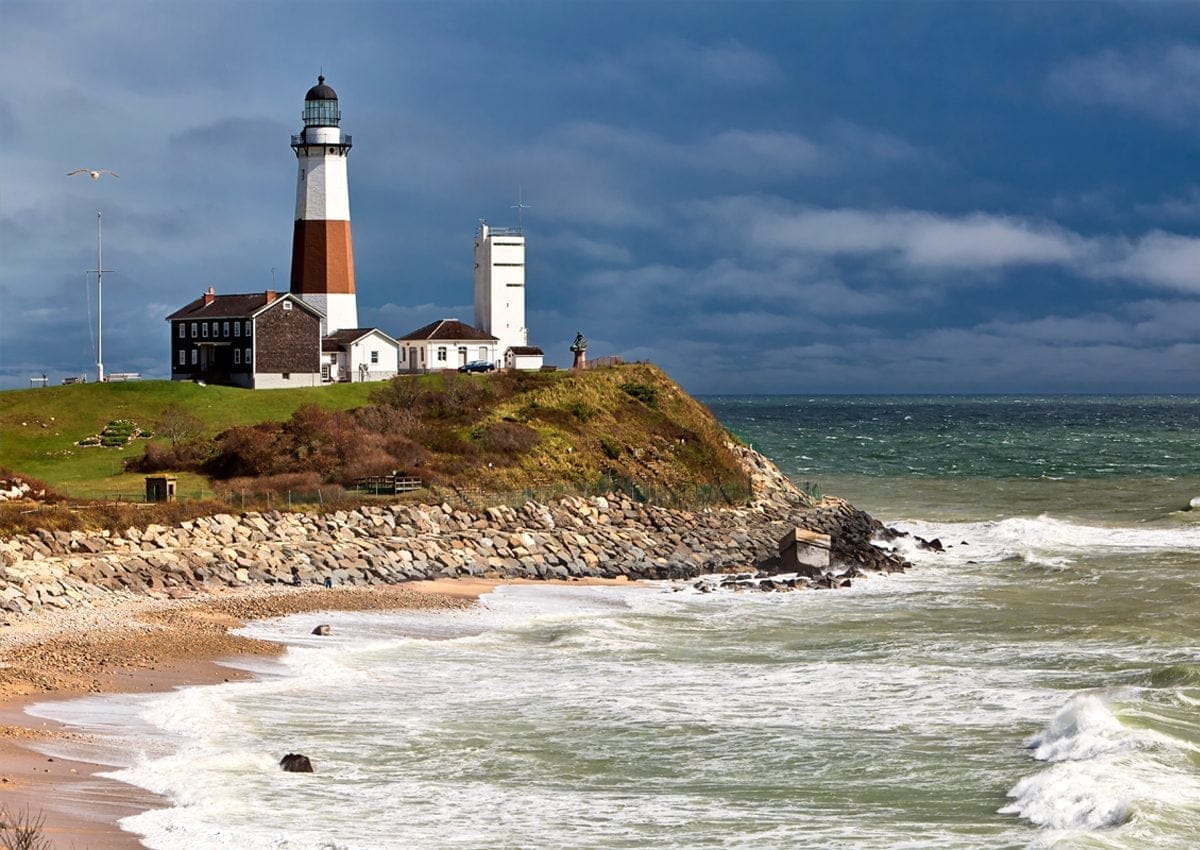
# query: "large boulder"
{"type": "Point", "coordinates": [296, 763]}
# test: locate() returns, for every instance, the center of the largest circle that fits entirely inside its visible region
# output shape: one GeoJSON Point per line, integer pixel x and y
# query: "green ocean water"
{"type": "Point", "coordinates": [1037, 685]}
{"type": "Point", "coordinates": [1106, 458]}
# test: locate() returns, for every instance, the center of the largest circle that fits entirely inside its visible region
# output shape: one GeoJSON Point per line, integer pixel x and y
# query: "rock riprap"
{"type": "Point", "coordinates": [601, 537]}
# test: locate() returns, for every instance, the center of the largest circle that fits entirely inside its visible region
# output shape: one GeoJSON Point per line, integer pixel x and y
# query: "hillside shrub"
{"type": "Point", "coordinates": [610, 447]}
{"type": "Point", "coordinates": [507, 438]}
{"type": "Point", "coordinates": [581, 411]}
{"type": "Point", "coordinates": [178, 424]}
{"type": "Point", "coordinates": [644, 393]}
{"type": "Point", "coordinates": [23, 830]}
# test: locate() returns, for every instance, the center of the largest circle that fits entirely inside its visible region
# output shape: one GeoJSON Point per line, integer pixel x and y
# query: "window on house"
{"type": "Point", "coordinates": [483, 355]}
{"type": "Point", "coordinates": [247, 327]}
{"type": "Point", "coordinates": [287, 376]}
{"type": "Point", "coordinates": [216, 328]}
{"type": "Point", "coordinates": [182, 357]}
{"type": "Point", "coordinates": [441, 354]}
{"type": "Point", "coordinates": [195, 333]}
{"type": "Point", "coordinates": [287, 305]}
{"type": "Point", "coordinates": [225, 329]}
{"type": "Point", "coordinates": [374, 356]}
{"type": "Point", "coordinates": [422, 355]}
{"type": "Point", "coordinates": [246, 357]}
{"type": "Point", "coordinates": [237, 328]}
{"type": "Point", "coordinates": [237, 357]}
{"type": "Point", "coordinates": [195, 356]}
{"type": "Point", "coordinates": [403, 355]}
{"type": "Point", "coordinates": [182, 330]}
{"type": "Point", "coordinates": [204, 330]}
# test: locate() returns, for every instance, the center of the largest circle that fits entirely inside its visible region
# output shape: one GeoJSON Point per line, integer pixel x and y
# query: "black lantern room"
{"type": "Point", "coordinates": [321, 106]}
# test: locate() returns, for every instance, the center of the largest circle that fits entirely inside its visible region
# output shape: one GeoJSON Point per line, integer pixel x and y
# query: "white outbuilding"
{"type": "Point", "coordinates": [446, 344]}
{"type": "Point", "coordinates": [528, 357]}
{"type": "Point", "coordinates": [359, 354]}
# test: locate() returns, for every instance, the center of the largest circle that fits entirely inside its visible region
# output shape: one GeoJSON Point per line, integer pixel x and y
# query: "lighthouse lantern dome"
{"type": "Point", "coordinates": [321, 106]}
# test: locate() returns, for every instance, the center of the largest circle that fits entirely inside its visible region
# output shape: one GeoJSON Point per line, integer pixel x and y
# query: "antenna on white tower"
{"type": "Point", "coordinates": [520, 206]}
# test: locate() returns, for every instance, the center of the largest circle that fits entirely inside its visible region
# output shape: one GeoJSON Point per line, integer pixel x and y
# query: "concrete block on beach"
{"type": "Point", "coordinates": [805, 552]}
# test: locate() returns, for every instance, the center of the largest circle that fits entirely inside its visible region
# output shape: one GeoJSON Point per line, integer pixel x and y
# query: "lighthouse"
{"type": "Point", "coordinates": [322, 249]}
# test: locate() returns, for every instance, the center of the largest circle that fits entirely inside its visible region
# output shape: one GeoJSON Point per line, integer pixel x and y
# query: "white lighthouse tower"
{"type": "Point", "coordinates": [500, 285]}
{"type": "Point", "coordinates": [322, 250]}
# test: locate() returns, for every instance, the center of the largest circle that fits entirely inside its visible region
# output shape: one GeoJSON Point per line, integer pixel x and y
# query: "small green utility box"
{"type": "Point", "coordinates": [160, 488]}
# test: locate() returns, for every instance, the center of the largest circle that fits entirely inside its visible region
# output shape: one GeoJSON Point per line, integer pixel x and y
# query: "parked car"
{"type": "Point", "coordinates": [478, 366]}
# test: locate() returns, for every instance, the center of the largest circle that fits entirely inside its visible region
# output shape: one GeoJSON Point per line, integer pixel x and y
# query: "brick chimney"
{"type": "Point", "coordinates": [270, 296]}
{"type": "Point", "coordinates": [209, 297]}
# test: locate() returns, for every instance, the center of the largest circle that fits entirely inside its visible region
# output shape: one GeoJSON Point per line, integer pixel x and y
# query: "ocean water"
{"type": "Point", "coordinates": [1035, 686]}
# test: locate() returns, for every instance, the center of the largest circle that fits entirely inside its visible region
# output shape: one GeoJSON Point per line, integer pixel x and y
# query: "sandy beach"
{"type": "Point", "coordinates": [140, 646]}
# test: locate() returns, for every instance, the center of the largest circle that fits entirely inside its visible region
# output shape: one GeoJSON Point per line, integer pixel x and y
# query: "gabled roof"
{"type": "Point", "coordinates": [449, 329]}
{"type": "Point", "coordinates": [245, 306]}
{"type": "Point", "coordinates": [344, 338]}
{"type": "Point", "coordinates": [526, 350]}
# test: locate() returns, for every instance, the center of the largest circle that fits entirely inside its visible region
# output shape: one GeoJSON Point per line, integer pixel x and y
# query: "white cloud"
{"type": "Point", "coordinates": [924, 242]}
{"type": "Point", "coordinates": [1163, 83]}
{"type": "Point", "coordinates": [919, 240]}
{"type": "Point", "coordinates": [1163, 259]}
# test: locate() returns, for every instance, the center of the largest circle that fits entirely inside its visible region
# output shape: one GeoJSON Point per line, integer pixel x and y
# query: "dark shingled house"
{"type": "Point", "coordinates": [261, 340]}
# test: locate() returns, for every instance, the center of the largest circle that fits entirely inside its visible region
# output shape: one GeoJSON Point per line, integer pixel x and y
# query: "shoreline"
{"type": "Point", "coordinates": [107, 651]}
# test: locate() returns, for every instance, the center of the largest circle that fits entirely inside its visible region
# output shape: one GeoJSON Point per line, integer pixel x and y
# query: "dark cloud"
{"type": "Point", "coordinates": [722, 192]}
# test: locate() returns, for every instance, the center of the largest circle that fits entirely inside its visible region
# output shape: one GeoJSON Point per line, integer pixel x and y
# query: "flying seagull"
{"type": "Point", "coordinates": [95, 175]}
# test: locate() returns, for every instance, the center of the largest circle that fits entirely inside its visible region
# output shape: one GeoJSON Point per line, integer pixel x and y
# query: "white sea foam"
{"type": "Point", "coordinates": [1042, 540]}
{"type": "Point", "coordinates": [1073, 796]}
{"type": "Point", "coordinates": [1085, 728]}
{"type": "Point", "coordinates": [1103, 773]}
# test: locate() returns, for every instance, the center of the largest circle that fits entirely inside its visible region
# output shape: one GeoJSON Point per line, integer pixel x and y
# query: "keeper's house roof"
{"type": "Point", "coordinates": [450, 330]}
{"type": "Point", "coordinates": [346, 337]}
{"type": "Point", "coordinates": [245, 306]}
{"type": "Point", "coordinates": [526, 350]}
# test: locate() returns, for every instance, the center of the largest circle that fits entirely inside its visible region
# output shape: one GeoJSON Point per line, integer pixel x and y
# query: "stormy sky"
{"type": "Point", "coordinates": [760, 197]}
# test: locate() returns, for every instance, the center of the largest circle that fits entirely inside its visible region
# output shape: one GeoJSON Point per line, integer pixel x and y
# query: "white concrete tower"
{"type": "Point", "coordinates": [322, 250]}
{"type": "Point", "coordinates": [500, 285]}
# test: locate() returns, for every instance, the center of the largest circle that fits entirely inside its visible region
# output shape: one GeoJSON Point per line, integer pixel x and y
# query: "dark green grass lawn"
{"type": "Point", "coordinates": [39, 427]}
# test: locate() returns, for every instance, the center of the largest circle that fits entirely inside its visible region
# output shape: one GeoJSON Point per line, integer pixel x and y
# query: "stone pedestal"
{"type": "Point", "coordinates": [804, 552]}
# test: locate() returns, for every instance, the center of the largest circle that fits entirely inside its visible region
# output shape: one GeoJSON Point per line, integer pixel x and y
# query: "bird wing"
{"type": "Point", "coordinates": [108, 171]}
{"type": "Point", "coordinates": [79, 171]}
